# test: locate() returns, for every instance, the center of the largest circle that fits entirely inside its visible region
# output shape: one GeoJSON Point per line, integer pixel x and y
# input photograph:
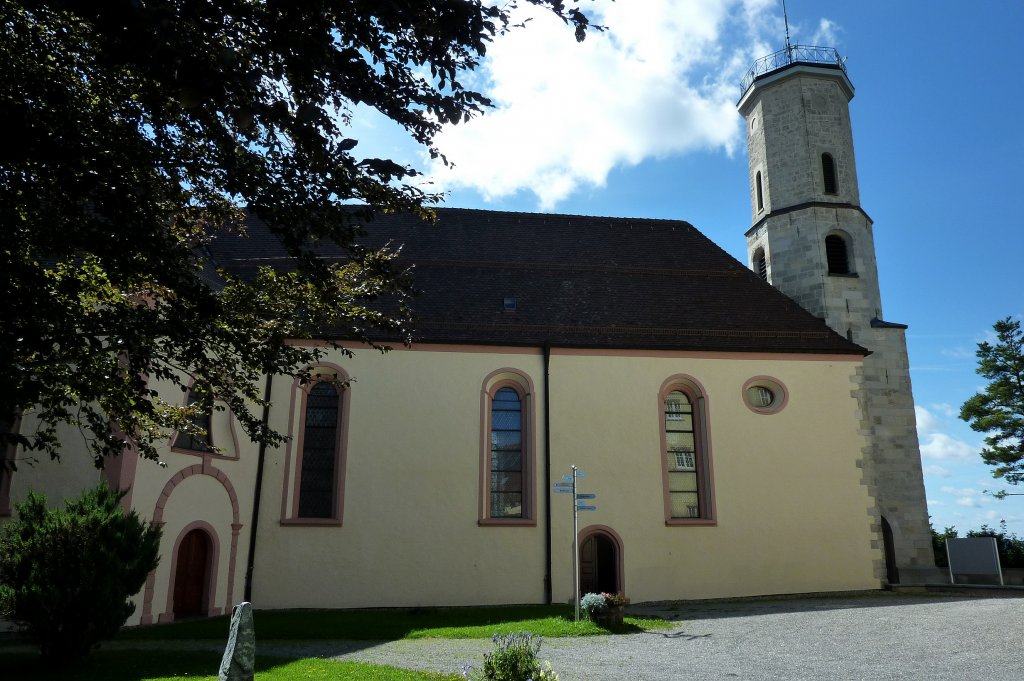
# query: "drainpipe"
{"type": "Point", "coordinates": [257, 492]}
{"type": "Point", "coordinates": [547, 472]}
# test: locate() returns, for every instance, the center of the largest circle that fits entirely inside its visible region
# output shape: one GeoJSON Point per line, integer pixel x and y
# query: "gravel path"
{"type": "Point", "coordinates": [877, 637]}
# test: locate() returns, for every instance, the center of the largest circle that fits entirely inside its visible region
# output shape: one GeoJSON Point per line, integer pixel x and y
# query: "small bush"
{"type": "Point", "coordinates": [67, 574]}
{"type": "Point", "coordinates": [592, 603]}
{"type": "Point", "coordinates": [515, 659]}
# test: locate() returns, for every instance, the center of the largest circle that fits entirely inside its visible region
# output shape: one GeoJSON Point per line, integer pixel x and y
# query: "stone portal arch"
{"type": "Point", "coordinates": [205, 468]}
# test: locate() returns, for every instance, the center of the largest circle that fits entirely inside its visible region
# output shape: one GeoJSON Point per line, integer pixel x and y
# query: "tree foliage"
{"type": "Point", "coordinates": [1008, 544]}
{"type": "Point", "coordinates": [68, 574]}
{"type": "Point", "coordinates": [998, 411]}
{"type": "Point", "coordinates": [137, 129]}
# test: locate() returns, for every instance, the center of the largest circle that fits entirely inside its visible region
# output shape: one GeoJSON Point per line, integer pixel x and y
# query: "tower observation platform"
{"type": "Point", "coordinates": [827, 57]}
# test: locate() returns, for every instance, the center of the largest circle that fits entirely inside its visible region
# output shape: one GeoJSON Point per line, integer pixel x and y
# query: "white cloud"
{"type": "Point", "coordinates": [943, 447]}
{"type": "Point", "coordinates": [936, 444]}
{"type": "Point", "coordinates": [937, 472]}
{"type": "Point", "coordinates": [662, 80]}
{"type": "Point", "coordinates": [965, 496]}
{"type": "Point", "coordinates": [825, 35]}
{"type": "Point", "coordinates": [958, 353]}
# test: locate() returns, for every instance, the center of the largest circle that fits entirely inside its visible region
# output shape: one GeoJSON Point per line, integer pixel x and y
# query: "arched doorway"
{"type": "Point", "coordinates": [600, 563]}
{"type": "Point", "coordinates": [892, 573]}
{"type": "Point", "coordinates": [192, 575]}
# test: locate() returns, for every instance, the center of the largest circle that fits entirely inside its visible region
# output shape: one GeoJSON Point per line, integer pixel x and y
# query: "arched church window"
{"type": "Point", "coordinates": [319, 465]}
{"type": "Point", "coordinates": [828, 173]}
{"type": "Point", "coordinates": [507, 456]}
{"type": "Point", "coordinates": [836, 255]}
{"type": "Point", "coordinates": [686, 459]}
{"type": "Point", "coordinates": [760, 195]}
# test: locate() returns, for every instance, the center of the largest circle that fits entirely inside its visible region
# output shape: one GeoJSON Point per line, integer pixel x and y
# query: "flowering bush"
{"type": "Point", "coordinates": [615, 598]}
{"type": "Point", "coordinates": [514, 659]}
{"type": "Point", "coordinates": [592, 603]}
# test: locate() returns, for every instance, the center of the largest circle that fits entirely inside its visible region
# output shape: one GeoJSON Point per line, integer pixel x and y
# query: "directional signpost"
{"type": "Point", "coordinates": [568, 486]}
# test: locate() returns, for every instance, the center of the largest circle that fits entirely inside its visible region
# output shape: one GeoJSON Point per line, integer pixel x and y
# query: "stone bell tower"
{"type": "Point", "coordinates": [812, 240]}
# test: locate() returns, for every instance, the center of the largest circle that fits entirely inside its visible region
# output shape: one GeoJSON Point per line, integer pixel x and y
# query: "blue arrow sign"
{"type": "Point", "coordinates": [559, 490]}
{"type": "Point", "coordinates": [567, 478]}
{"type": "Point", "coordinates": [565, 485]}
{"type": "Point", "coordinates": [580, 474]}
{"type": "Point", "coordinates": [586, 496]}
{"type": "Point", "coordinates": [586, 508]}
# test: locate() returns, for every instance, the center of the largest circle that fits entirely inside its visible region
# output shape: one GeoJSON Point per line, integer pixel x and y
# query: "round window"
{"type": "Point", "coordinates": [759, 396]}
{"type": "Point", "coordinates": [764, 395]}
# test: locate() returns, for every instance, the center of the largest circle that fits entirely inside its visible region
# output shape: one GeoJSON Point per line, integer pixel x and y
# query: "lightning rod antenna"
{"type": "Point", "coordinates": [785, 18]}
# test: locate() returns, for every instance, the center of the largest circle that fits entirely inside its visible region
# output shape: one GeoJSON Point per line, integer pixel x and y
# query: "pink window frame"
{"type": "Point", "coordinates": [521, 383]}
{"type": "Point", "coordinates": [692, 388]}
{"type": "Point", "coordinates": [340, 450]}
{"type": "Point", "coordinates": [197, 452]}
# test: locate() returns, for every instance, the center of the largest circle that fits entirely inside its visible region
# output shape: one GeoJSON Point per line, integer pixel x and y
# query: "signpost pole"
{"type": "Point", "coordinates": [575, 548]}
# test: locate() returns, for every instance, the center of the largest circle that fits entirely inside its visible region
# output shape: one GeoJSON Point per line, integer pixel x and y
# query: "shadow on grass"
{"type": "Point", "coordinates": [125, 665]}
{"type": "Point", "coordinates": [391, 624]}
{"type": "Point", "coordinates": [192, 665]}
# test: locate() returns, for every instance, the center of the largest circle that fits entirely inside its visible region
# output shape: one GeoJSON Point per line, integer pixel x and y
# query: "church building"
{"type": "Point", "coordinates": [744, 429]}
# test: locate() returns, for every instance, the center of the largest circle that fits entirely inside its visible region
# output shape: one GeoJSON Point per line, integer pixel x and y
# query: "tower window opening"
{"type": "Point", "coordinates": [760, 196]}
{"type": "Point", "coordinates": [761, 264]}
{"type": "Point", "coordinates": [836, 255]}
{"type": "Point", "coordinates": [828, 173]}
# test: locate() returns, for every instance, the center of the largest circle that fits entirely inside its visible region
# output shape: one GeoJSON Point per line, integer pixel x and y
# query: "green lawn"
{"type": "Point", "coordinates": [152, 665]}
{"type": "Point", "coordinates": [310, 625]}
{"type": "Point", "coordinates": [550, 621]}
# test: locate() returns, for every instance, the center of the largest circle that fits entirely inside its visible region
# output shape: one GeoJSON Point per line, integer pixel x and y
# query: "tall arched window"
{"type": "Point", "coordinates": [760, 195]}
{"type": "Point", "coordinates": [828, 173]}
{"type": "Point", "coordinates": [686, 462]}
{"type": "Point", "coordinates": [506, 454]}
{"type": "Point", "coordinates": [507, 450]}
{"type": "Point", "coordinates": [836, 255]}
{"type": "Point", "coordinates": [318, 480]}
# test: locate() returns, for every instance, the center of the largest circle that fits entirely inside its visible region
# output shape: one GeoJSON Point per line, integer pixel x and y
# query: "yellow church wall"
{"type": "Point", "coordinates": [410, 533]}
{"type": "Point", "coordinates": [791, 512]}
{"type": "Point", "coordinates": [58, 480]}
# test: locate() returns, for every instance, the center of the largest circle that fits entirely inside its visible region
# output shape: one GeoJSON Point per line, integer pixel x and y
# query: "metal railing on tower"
{"type": "Point", "coordinates": [792, 54]}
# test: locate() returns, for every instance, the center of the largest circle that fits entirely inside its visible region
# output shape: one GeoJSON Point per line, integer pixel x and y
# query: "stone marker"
{"type": "Point", "coordinates": [239, 661]}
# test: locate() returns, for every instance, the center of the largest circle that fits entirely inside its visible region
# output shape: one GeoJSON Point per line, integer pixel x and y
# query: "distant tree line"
{"type": "Point", "coordinates": [1010, 546]}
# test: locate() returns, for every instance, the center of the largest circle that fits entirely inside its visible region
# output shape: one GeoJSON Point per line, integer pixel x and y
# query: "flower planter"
{"type": "Point", "coordinates": [609, 617]}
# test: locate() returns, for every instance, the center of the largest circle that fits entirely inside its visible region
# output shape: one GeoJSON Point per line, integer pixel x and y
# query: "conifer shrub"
{"type": "Point", "coordinates": [67, 574]}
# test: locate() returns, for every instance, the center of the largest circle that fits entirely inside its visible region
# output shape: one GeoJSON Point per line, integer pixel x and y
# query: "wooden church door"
{"type": "Point", "coordinates": [599, 565]}
{"type": "Point", "coordinates": [190, 576]}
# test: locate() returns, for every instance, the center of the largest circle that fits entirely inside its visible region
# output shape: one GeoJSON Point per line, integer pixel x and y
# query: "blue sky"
{"type": "Point", "coordinates": [641, 122]}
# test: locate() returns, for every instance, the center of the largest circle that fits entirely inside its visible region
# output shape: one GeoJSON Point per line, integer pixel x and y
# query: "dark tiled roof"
{"type": "Point", "coordinates": [577, 281]}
